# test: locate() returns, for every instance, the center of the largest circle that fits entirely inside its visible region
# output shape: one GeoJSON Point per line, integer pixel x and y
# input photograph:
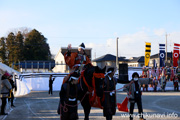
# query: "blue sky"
{"type": "Point", "coordinates": [97, 23]}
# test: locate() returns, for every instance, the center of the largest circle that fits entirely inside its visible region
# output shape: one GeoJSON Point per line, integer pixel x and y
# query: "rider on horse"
{"type": "Point", "coordinates": [76, 60]}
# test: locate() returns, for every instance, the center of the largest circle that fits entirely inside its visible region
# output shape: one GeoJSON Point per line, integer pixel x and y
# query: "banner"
{"type": "Point", "coordinates": [147, 54]}
{"type": "Point", "coordinates": [162, 55]}
{"type": "Point", "coordinates": [176, 54]}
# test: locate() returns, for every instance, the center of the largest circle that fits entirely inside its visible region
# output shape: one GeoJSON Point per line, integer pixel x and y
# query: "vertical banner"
{"type": "Point", "coordinates": [161, 55]}
{"type": "Point", "coordinates": [147, 54]}
{"type": "Point", "coordinates": [176, 54]}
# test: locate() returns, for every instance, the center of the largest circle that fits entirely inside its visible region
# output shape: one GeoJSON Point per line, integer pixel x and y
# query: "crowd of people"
{"type": "Point", "coordinates": [161, 76]}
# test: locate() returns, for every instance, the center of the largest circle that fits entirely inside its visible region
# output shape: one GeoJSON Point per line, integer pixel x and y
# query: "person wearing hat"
{"type": "Point", "coordinates": [5, 88]}
{"type": "Point", "coordinates": [75, 60]}
{"type": "Point", "coordinates": [109, 104]}
{"type": "Point", "coordinates": [68, 98]}
{"type": "Point", "coordinates": [134, 93]}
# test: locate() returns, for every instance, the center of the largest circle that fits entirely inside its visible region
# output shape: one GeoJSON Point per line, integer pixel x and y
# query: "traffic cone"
{"type": "Point", "coordinates": [123, 106]}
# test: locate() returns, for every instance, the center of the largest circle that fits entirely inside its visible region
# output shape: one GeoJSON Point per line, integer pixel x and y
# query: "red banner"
{"type": "Point", "coordinates": [176, 54]}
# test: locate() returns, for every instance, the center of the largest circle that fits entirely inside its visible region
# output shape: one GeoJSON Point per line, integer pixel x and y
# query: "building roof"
{"type": "Point", "coordinates": [137, 59]}
{"type": "Point", "coordinates": [109, 57]}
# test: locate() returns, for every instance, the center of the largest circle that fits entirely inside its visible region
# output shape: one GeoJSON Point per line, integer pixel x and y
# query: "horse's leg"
{"type": "Point", "coordinates": [86, 106]}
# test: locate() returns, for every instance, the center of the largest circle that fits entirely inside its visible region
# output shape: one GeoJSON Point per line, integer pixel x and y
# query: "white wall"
{"type": "Point", "coordinates": [40, 81]}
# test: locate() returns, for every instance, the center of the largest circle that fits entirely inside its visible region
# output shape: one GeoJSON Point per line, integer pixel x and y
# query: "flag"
{"type": "Point", "coordinates": [147, 54]}
{"type": "Point", "coordinates": [176, 54]}
{"type": "Point", "coordinates": [162, 55]}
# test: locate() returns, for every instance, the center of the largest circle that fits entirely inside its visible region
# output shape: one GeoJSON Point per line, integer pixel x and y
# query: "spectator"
{"type": "Point", "coordinates": [5, 88]}
{"type": "Point", "coordinates": [11, 92]}
{"type": "Point", "coordinates": [155, 83]}
{"type": "Point", "coordinates": [168, 73]}
{"type": "Point", "coordinates": [134, 93]}
{"type": "Point", "coordinates": [163, 80]}
{"type": "Point", "coordinates": [51, 80]}
{"type": "Point", "coordinates": [176, 84]}
{"type": "Point", "coordinates": [178, 72]}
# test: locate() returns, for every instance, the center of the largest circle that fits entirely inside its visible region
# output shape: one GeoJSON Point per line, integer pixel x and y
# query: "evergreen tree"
{"type": "Point", "coordinates": [36, 47]}
{"type": "Point", "coordinates": [3, 55]}
{"type": "Point", "coordinates": [19, 48]}
{"type": "Point", "coordinates": [10, 42]}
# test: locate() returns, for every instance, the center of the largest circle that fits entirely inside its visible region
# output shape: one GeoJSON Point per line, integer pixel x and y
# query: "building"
{"type": "Point", "coordinates": [136, 61]}
{"type": "Point", "coordinates": [108, 60]}
{"type": "Point", "coordinates": [34, 66]}
{"type": "Point", "coordinates": [60, 62]}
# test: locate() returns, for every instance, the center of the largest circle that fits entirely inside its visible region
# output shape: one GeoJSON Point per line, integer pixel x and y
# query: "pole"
{"type": "Point", "coordinates": [166, 49]}
{"type": "Point", "coordinates": [117, 63]}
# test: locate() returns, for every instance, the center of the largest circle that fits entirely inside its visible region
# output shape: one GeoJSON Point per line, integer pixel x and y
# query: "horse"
{"type": "Point", "coordinates": [91, 83]}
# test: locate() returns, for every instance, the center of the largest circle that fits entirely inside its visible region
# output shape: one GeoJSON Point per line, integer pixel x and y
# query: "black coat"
{"type": "Point", "coordinates": [12, 83]}
{"type": "Point", "coordinates": [51, 82]}
{"type": "Point", "coordinates": [110, 97]}
{"type": "Point", "coordinates": [68, 95]}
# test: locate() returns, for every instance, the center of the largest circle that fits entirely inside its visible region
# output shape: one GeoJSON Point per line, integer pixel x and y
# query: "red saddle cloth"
{"type": "Point", "coordinates": [94, 100]}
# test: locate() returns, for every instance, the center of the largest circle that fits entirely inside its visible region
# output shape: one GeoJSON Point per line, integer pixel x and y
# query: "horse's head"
{"type": "Point", "coordinates": [99, 76]}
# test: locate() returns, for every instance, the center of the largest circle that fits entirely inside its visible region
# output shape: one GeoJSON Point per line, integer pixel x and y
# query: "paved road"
{"type": "Point", "coordinates": [38, 105]}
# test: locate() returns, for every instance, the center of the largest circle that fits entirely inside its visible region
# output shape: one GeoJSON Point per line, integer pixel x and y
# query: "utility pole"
{"type": "Point", "coordinates": [95, 55]}
{"type": "Point", "coordinates": [166, 48]}
{"type": "Point", "coordinates": [117, 62]}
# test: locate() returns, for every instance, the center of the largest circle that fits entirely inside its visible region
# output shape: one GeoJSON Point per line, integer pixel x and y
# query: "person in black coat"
{"type": "Point", "coordinates": [11, 92]}
{"type": "Point", "coordinates": [68, 98]}
{"type": "Point", "coordinates": [109, 104]}
{"type": "Point", "coordinates": [51, 80]}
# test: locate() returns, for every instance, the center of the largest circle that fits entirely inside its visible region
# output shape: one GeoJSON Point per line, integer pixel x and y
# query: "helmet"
{"type": "Point", "coordinates": [82, 46]}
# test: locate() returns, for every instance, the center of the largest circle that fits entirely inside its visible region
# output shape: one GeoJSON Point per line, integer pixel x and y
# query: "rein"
{"type": "Point", "coordinates": [120, 88]}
